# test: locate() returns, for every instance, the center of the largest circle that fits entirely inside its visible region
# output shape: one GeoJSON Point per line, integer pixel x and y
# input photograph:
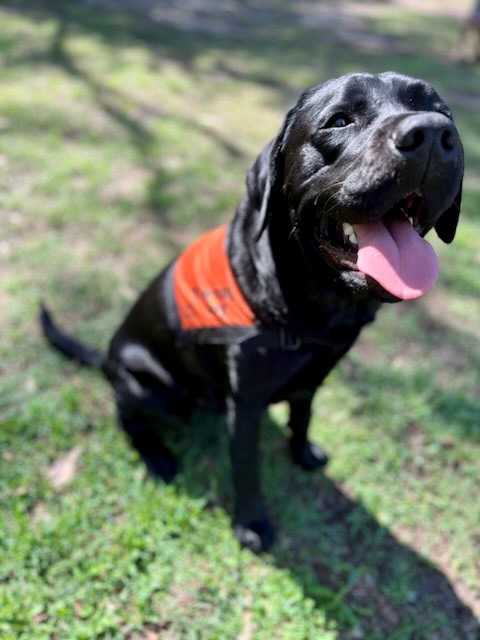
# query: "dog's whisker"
{"type": "Point", "coordinates": [334, 189]}
{"type": "Point", "coordinates": [293, 232]}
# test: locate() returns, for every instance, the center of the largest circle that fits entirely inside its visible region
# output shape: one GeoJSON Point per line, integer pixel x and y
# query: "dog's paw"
{"type": "Point", "coordinates": [257, 536]}
{"type": "Point", "coordinates": [161, 465]}
{"type": "Point", "coordinates": [309, 456]}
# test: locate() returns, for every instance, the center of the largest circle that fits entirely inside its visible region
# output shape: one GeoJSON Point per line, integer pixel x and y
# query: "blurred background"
{"type": "Point", "coordinates": [126, 128]}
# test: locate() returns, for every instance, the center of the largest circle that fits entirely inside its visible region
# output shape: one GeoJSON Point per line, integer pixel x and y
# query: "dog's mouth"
{"type": "Point", "coordinates": [390, 250]}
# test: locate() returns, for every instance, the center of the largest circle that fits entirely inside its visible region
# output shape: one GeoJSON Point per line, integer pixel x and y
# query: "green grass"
{"type": "Point", "coordinates": [123, 136]}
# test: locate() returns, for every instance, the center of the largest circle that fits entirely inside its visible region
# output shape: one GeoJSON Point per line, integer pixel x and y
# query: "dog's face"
{"type": "Point", "coordinates": [367, 165]}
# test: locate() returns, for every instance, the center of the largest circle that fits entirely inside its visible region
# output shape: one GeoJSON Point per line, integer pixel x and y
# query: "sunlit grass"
{"type": "Point", "coordinates": [122, 139]}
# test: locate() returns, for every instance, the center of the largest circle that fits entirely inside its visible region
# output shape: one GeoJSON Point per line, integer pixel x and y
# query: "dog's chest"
{"type": "Point", "coordinates": [334, 321]}
{"type": "Point", "coordinates": [260, 373]}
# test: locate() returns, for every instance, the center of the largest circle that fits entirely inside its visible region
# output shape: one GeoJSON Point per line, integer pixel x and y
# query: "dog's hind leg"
{"type": "Point", "coordinates": [143, 433]}
{"type": "Point", "coordinates": [306, 454]}
{"type": "Point", "coordinates": [140, 415]}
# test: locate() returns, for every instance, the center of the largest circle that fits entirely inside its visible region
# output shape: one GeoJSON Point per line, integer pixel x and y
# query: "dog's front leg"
{"type": "Point", "coordinates": [252, 526]}
{"type": "Point", "coordinates": [308, 455]}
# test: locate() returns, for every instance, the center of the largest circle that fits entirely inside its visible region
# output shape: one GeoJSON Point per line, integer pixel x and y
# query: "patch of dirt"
{"type": "Point", "coordinates": [127, 185]}
{"type": "Point", "coordinates": [457, 8]}
{"type": "Point", "coordinates": [340, 20]}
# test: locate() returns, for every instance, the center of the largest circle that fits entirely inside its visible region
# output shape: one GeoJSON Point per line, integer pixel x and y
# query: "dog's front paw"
{"type": "Point", "coordinates": [161, 465]}
{"type": "Point", "coordinates": [308, 455]}
{"type": "Point", "coordinates": [257, 536]}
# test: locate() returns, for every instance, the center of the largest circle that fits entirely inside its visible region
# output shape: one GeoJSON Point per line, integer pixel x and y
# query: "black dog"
{"type": "Point", "coordinates": [332, 225]}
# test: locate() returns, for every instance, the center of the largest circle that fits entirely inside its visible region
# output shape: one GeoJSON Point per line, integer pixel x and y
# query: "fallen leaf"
{"type": "Point", "coordinates": [40, 513]}
{"type": "Point", "coordinates": [62, 472]}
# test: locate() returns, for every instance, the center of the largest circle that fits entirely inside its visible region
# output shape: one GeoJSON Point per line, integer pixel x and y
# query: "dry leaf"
{"type": "Point", "coordinates": [62, 472]}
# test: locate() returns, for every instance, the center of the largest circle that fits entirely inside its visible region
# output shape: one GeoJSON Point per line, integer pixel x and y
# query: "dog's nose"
{"type": "Point", "coordinates": [424, 135]}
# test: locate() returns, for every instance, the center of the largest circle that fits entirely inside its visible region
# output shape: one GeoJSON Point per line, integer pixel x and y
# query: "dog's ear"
{"type": "Point", "coordinates": [265, 178]}
{"type": "Point", "coordinates": [447, 223]}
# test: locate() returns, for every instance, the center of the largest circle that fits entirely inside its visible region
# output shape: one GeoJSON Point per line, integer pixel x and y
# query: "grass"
{"type": "Point", "coordinates": [124, 135]}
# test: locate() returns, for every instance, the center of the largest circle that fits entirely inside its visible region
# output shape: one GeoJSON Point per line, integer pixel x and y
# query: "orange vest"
{"type": "Point", "coordinates": [206, 292]}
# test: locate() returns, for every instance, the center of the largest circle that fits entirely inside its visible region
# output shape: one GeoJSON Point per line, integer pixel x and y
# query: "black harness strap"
{"type": "Point", "coordinates": [258, 336]}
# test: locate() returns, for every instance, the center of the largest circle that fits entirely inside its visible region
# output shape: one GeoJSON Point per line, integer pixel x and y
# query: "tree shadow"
{"type": "Point", "coordinates": [129, 114]}
{"type": "Point", "coordinates": [357, 571]}
{"type": "Point", "coordinates": [282, 43]}
{"type": "Point", "coordinates": [340, 554]}
{"type": "Point", "coordinates": [353, 568]}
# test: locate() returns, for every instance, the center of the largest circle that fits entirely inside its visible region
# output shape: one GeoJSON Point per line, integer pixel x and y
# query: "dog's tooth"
{"type": "Point", "coordinates": [410, 219]}
{"type": "Point", "coordinates": [347, 229]}
{"type": "Point", "coordinates": [353, 238]}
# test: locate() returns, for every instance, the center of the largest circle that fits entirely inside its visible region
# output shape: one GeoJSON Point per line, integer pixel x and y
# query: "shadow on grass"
{"type": "Point", "coordinates": [281, 37]}
{"type": "Point", "coordinates": [130, 115]}
{"type": "Point", "coordinates": [351, 566]}
{"type": "Point", "coordinates": [277, 45]}
{"type": "Point", "coordinates": [354, 568]}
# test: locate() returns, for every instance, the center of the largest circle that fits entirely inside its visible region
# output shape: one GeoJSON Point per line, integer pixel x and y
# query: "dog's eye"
{"type": "Point", "coordinates": [338, 121]}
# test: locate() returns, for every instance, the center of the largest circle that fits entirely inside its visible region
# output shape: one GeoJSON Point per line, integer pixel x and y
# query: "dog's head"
{"type": "Point", "coordinates": [365, 166]}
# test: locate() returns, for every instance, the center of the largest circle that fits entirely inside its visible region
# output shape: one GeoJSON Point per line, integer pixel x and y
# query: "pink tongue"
{"type": "Point", "coordinates": [392, 253]}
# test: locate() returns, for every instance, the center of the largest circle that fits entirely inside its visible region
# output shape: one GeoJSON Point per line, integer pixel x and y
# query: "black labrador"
{"type": "Point", "coordinates": [331, 226]}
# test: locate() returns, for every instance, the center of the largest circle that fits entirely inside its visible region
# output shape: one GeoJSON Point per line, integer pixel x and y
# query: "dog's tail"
{"type": "Point", "coordinates": [72, 348]}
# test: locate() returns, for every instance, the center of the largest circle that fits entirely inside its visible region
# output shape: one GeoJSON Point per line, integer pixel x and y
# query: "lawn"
{"type": "Point", "coordinates": [127, 128]}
